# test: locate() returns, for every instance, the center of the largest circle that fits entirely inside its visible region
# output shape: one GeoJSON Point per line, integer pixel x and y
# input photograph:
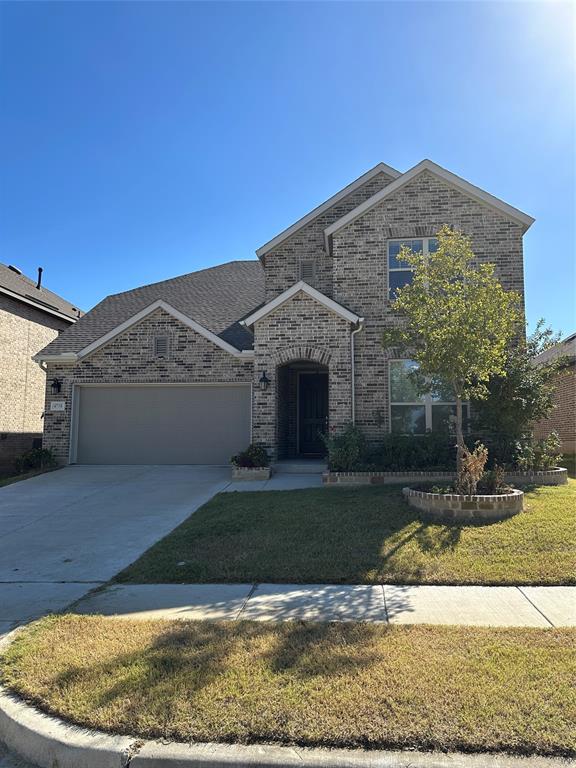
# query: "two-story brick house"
{"type": "Point", "coordinates": [276, 351]}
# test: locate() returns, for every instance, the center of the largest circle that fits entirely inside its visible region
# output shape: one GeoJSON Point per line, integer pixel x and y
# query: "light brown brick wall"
{"type": "Point", "coordinates": [360, 272]}
{"type": "Point", "coordinates": [300, 329]}
{"type": "Point", "coordinates": [24, 331]}
{"type": "Point", "coordinates": [563, 417]}
{"type": "Point", "coordinates": [282, 264]}
{"type": "Point", "coordinates": [129, 358]}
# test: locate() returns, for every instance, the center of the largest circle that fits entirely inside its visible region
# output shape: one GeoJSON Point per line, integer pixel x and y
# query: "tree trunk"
{"type": "Point", "coordinates": [459, 434]}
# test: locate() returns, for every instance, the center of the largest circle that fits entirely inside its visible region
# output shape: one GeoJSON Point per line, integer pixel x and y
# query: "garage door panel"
{"type": "Point", "coordinates": [162, 424]}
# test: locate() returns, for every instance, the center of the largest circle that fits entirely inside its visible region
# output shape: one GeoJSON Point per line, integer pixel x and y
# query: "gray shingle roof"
{"type": "Point", "coordinates": [217, 298]}
{"type": "Point", "coordinates": [43, 298]}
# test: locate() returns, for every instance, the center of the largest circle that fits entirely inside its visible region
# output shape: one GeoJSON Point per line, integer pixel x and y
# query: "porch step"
{"type": "Point", "coordinates": [300, 467]}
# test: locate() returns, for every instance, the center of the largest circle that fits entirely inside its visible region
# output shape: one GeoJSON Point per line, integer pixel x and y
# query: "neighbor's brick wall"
{"type": "Point", "coordinates": [563, 417]}
{"type": "Point", "coordinates": [282, 264]}
{"type": "Point", "coordinates": [360, 272]}
{"type": "Point", "coordinates": [24, 331]}
{"type": "Point", "coordinates": [129, 358]}
{"type": "Point", "coordinates": [300, 329]}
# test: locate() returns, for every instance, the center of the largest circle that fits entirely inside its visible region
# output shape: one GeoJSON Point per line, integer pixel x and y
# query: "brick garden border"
{"type": "Point", "coordinates": [555, 476]}
{"type": "Point", "coordinates": [251, 473]}
{"type": "Point", "coordinates": [456, 507]}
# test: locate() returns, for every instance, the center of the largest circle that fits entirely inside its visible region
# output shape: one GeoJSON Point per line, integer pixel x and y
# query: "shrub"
{"type": "Point", "coordinates": [253, 456]}
{"type": "Point", "coordinates": [346, 451]}
{"type": "Point", "coordinates": [37, 458]}
{"type": "Point", "coordinates": [432, 451]}
{"type": "Point", "coordinates": [472, 469]}
{"type": "Point", "coordinates": [532, 456]}
{"type": "Point", "coordinates": [493, 481]}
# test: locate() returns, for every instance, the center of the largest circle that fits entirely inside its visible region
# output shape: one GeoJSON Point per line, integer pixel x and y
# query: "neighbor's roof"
{"type": "Point", "coordinates": [565, 348]}
{"type": "Point", "coordinates": [215, 298]}
{"type": "Point", "coordinates": [18, 286]}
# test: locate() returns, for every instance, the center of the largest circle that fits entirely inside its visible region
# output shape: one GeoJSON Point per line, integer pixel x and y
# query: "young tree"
{"type": "Point", "coordinates": [456, 321]}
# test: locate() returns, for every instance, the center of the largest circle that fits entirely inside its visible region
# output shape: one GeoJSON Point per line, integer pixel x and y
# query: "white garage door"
{"type": "Point", "coordinates": [161, 424]}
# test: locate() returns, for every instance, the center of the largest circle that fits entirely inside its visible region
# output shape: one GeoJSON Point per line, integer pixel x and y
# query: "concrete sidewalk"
{"type": "Point", "coordinates": [394, 604]}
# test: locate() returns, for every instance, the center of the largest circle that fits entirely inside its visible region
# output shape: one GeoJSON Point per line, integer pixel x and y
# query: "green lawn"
{"type": "Point", "coordinates": [347, 685]}
{"type": "Point", "coordinates": [361, 535]}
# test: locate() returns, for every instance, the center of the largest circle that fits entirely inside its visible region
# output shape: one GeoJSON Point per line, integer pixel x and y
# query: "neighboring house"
{"type": "Point", "coordinates": [563, 417]}
{"type": "Point", "coordinates": [30, 317]}
{"type": "Point", "coordinates": [278, 350]}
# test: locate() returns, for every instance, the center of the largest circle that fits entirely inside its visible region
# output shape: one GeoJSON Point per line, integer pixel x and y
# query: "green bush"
{"type": "Point", "coordinates": [536, 455]}
{"type": "Point", "coordinates": [347, 450]}
{"type": "Point", "coordinates": [432, 451]}
{"type": "Point", "coordinates": [253, 456]}
{"type": "Point", "coordinates": [37, 458]}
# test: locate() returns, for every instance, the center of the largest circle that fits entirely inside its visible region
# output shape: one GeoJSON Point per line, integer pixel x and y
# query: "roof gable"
{"type": "Point", "coordinates": [447, 176]}
{"type": "Point", "coordinates": [380, 168]}
{"type": "Point", "coordinates": [301, 287]}
{"type": "Point", "coordinates": [119, 329]}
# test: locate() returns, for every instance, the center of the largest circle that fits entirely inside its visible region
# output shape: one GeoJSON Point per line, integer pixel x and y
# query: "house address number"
{"type": "Point", "coordinates": [58, 405]}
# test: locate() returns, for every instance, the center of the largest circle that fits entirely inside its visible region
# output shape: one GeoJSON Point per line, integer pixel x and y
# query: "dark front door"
{"type": "Point", "coordinates": [313, 413]}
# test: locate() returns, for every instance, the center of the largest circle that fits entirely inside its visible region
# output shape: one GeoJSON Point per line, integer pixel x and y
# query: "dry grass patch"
{"type": "Point", "coordinates": [361, 536]}
{"type": "Point", "coordinates": [347, 685]}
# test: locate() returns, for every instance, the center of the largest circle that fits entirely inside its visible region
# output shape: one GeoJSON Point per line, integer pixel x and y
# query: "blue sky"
{"type": "Point", "coordinates": [139, 141]}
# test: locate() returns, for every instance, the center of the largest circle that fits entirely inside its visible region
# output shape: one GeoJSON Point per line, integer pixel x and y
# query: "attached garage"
{"type": "Point", "coordinates": [160, 423]}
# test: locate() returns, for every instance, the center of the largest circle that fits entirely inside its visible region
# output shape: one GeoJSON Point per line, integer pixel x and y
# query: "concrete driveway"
{"type": "Point", "coordinates": [65, 532]}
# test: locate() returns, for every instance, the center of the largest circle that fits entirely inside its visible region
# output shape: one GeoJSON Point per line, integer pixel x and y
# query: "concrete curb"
{"type": "Point", "coordinates": [51, 743]}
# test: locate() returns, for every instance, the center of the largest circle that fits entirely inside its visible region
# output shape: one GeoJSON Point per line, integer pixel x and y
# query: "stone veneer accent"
{"type": "Point", "coordinates": [453, 507]}
{"type": "Point", "coordinates": [24, 331]}
{"type": "Point", "coordinates": [129, 359]}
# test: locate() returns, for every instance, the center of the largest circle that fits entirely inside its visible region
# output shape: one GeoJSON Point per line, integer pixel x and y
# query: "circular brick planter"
{"type": "Point", "coordinates": [455, 507]}
{"type": "Point", "coordinates": [251, 473]}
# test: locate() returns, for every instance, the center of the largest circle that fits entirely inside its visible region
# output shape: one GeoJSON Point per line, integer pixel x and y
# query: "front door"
{"type": "Point", "coordinates": [312, 413]}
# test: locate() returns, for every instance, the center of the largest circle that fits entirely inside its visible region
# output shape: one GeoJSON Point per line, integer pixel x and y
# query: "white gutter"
{"type": "Point", "coordinates": [352, 368]}
{"type": "Point", "coordinates": [41, 307]}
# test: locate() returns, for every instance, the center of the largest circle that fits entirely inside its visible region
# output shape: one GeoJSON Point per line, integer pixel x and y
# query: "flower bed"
{"type": "Point", "coordinates": [455, 507]}
{"type": "Point", "coordinates": [555, 476]}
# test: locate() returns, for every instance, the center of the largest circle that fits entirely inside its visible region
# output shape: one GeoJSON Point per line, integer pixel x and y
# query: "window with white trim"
{"type": "Point", "coordinates": [414, 414]}
{"type": "Point", "coordinates": [399, 272]}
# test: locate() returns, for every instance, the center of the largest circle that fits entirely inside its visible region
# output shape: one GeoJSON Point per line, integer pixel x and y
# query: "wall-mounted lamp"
{"type": "Point", "coordinates": [56, 386]}
{"type": "Point", "coordinates": [264, 381]}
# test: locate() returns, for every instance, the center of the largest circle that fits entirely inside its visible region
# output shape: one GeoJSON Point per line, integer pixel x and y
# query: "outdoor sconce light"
{"type": "Point", "coordinates": [56, 386]}
{"type": "Point", "coordinates": [264, 382]}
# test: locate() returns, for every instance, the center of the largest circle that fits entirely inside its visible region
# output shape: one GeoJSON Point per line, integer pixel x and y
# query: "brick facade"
{"type": "Point", "coordinates": [563, 417]}
{"type": "Point", "coordinates": [24, 331]}
{"type": "Point", "coordinates": [129, 359]}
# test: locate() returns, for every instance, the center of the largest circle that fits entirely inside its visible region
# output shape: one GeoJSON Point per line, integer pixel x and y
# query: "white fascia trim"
{"type": "Point", "coordinates": [330, 304]}
{"type": "Point", "coordinates": [245, 354]}
{"type": "Point", "coordinates": [450, 178]}
{"type": "Point", "coordinates": [63, 357]}
{"type": "Point", "coordinates": [41, 307]}
{"type": "Point", "coordinates": [380, 168]}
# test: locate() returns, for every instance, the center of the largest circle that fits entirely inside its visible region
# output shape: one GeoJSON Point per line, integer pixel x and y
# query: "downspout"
{"type": "Point", "coordinates": [352, 367]}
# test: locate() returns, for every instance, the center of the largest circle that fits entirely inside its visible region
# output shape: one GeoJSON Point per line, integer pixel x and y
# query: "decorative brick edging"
{"type": "Point", "coordinates": [556, 476]}
{"type": "Point", "coordinates": [251, 473]}
{"type": "Point", "coordinates": [455, 507]}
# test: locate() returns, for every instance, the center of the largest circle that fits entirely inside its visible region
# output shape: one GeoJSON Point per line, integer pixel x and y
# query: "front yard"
{"type": "Point", "coordinates": [344, 685]}
{"type": "Point", "coordinates": [361, 536]}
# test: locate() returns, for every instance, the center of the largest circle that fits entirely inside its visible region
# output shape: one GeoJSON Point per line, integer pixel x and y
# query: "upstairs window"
{"type": "Point", "coordinates": [307, 271]}
{"type": "Point", "coordinates": [414, 414]}
{"type": "Point", "coordinates": [399, 272]}
{"type": "Point", "coordinates": [161, 346]}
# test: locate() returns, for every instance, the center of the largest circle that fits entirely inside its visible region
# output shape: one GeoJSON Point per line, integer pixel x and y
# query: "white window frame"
{"type": "Point", "coordinates": [427, 401]}
{"type": "Point", "coordinates": [425, 252]}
